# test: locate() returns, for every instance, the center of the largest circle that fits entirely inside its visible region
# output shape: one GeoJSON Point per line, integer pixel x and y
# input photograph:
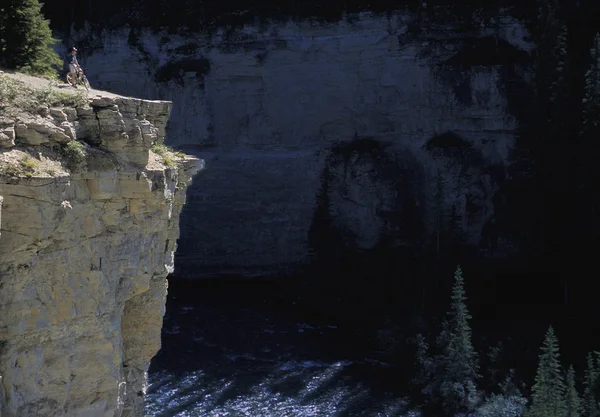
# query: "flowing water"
{"type": "Point", "coordinates": [268, 348]}
{"type": "Point", "coordinates": [235, 359]}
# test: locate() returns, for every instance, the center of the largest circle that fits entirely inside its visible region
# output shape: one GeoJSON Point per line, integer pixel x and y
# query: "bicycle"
{"type": "Point", "coordinates": [80, 79]}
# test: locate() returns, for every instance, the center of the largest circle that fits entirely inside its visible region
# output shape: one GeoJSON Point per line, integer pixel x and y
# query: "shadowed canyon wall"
{"type": "Point", "coordinates": [398, 128]}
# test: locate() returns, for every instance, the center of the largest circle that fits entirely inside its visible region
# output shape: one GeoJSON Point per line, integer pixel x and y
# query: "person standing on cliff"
{"type": "Point", "coordinates": [74, 67]}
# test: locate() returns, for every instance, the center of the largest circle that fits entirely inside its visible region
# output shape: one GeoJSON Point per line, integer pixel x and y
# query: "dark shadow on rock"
{"type": "Point", "coordinates": [479, 53]}
{"type": "Point", "coordinates": [487, 51]}
{"type": "Point", "coordinates": [454, 147]}
{"type": "Point", "coordinates": [389, 178]}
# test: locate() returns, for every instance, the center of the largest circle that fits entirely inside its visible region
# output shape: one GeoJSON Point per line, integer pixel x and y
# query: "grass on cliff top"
{"type": "Point", "coordinates": [17, 96]}
{"type": "Point", "coordinates": [167, 154]}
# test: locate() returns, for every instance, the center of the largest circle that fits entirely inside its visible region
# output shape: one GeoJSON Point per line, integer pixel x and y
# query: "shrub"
{"type": "Point", "coordinates": [499, 405]}
{"type": "Point", "coordinates": [168, 154]}
{"type": "Point", "coordinates": [160, 149]}
{"type": "Point", "coordinates": [74, 152]}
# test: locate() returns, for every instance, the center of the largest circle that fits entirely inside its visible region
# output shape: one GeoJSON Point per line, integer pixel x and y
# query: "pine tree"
{"type": "Point", "coordinates": [460, 356]}
{"type": "Point", "coordinates": [26, 41]}
{"type": "Point", "coordinates": [591, 97]}
{"type": "Point", "coordinates": [572, 401]}
{"type": "Point", "coordinates": [590, 381]}
{"type": "Point", "coordinates": [450, 377]}
{"type": "Point", "coordinates": [548, 391]}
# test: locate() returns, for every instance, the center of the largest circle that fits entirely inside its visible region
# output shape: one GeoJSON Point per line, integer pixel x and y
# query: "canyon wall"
{"type": "Point", "coordinates": [382, 127]}
{"type": "Point", "coordinates": [88, 236]}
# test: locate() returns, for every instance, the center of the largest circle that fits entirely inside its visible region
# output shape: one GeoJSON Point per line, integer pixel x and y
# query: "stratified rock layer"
{"type": "Point", "coordinates": [280, 101]}
{"type": "Point", "coordinates": [84, 255]}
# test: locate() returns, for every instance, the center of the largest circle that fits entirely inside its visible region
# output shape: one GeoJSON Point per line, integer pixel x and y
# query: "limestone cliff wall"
{"type": "Point", "coordinates": [85, 247]}
{"type": "Point", "coordinates": [267, 106]}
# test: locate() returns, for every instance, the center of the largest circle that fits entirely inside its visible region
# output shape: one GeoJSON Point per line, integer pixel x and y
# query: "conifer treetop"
{"type": "Point", "coordinates": [548, 391]}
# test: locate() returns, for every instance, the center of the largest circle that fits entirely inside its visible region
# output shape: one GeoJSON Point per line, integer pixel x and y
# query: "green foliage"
{"type": "Point", "coordinates": [162, 149]}
{"type": "Point", "coordinates": [572, 400]}
{"type": "Point", "coordinates": [168, 154]}
{"type": "Point", "coordinates": [460, 355]}
{"type": "Point", "coordinates": [26, 42]}
{"type": "Point", "coordinates": [548, 391]}
{"type": "Point", "coordinates": [591, 98]}
{"type": "Point", "coordinates": [590, 381]}
{"type": "Point", "coordinates": [450, 376]}
{"type": "Point", "coordinates": [75, 152]}
{"type": "Point", "coordinates": [9, 92]}
{"type": "Point", "coordinates": [500, 405]}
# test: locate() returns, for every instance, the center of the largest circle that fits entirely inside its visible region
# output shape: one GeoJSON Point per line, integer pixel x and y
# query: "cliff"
{"type": "Point", "coordinates": [89, 224]}
{"type": "Point", "coordinates": [397, 123]}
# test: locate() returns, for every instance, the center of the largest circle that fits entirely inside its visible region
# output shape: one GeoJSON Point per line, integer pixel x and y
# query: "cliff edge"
{"type": "Point", "coordinates": [89, 217]}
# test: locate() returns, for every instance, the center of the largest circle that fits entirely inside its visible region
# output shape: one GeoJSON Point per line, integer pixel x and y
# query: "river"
{"type": "Point", "coordinates": [223, 356]}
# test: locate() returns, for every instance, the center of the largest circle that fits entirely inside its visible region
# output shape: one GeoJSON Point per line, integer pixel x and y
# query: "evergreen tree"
{"type": "Point", "coordinates": [572, 401]}
{"type": "Point", "coordinates": [450, 377]}
{"type": "Point", "coordinates": [590, 381]}
{"type": "Point", "coordinates": [460, 356]}
{"type": "Point", "coordinates": [26, 41]}
{"type": "Point", "coordinates": [548, 391]}
{"type": "Point", "coordinates": [591, 97]}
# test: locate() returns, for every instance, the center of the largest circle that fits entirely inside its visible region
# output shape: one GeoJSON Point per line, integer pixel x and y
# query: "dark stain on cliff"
{"type": "Point", "coordinates": [189, 48]}
{"type": "Point", "coordinates": [175, 70]}
{"type": "Point", "coordinates": [397, 172]}
{"type": "Point", "coordinates": [478, 53]}
{"type": "Point", "coordinates": [454, 147]}
{"type": "Point", "coordinates": [487, 51]}
{"type": "Point", "coordinates": [452, 150]}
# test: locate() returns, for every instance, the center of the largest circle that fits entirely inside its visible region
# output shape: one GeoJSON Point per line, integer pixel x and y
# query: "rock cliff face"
{"type": "Point", "coordinates": [87, 239]}
{"type": "Point", "coordinates": [397, 123]}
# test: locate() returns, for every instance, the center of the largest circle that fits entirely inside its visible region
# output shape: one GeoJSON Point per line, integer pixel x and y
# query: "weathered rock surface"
{"type": "Point", "coordinates": [279, 98]}
{"type": "Point", "coordinates": [7, 133]}
{"type": "Point", "coordinates": [85, 249]}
